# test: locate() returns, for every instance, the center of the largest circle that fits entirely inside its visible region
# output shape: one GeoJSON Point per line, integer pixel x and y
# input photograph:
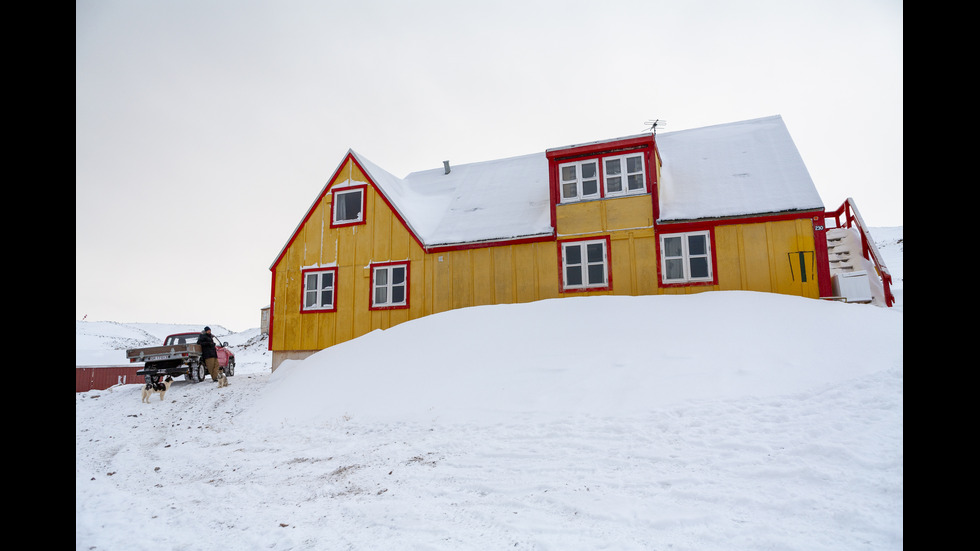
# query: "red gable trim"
{"type": "Point", "coordinates": [328, 189]}
{"type": "Point", "coordinates": [272, 308]}
{"type": "Point", "coordinates": [316, 203]}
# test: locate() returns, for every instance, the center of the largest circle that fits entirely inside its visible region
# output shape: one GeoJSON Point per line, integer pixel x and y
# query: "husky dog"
{"type": "Point", "coordinates": [222, 378]}
{"type": "Point", "coordinates": [162, 388]}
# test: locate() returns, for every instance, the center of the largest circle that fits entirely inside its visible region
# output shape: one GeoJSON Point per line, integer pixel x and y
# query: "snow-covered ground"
{"type": "Point", "coordinates": [716, 421]}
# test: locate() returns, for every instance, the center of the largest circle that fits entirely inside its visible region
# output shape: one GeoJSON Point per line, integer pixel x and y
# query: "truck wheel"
{"type": "Point", "coordinates": [230, 370]}
{"type": "Point", "coordinates": [196, 373]}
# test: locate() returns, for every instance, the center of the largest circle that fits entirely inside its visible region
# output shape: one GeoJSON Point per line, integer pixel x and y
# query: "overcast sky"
{"type": "Point", "coordinates": [205, 129]}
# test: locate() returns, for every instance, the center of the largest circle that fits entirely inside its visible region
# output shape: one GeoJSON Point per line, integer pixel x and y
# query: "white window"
{"type": "Point", "coordinates": [585, 265]}
{"type": "Point", "coordinates": [348, 206]}
{"type": "Point", "coordinates": [389, 286]}
{"type": "Point", "coordinates": [686, 257]}
{"type": "Point", "coordinates": [579, 180]}
{"type": "Point", "coordinates": [319, 289]}
{"type": "Point", "coordinates": [624, 175]}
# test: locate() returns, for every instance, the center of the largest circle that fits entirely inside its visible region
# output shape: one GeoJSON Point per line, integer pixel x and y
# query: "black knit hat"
{"type": "Point", "coordinates": [207, 328]}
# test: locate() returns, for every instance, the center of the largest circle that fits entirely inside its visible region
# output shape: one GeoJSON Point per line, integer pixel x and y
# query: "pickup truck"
{"type": "Point", "coordinates": [179, 355]}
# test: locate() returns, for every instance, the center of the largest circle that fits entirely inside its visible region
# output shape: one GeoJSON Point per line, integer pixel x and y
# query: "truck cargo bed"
{"type": "Point", "coordinates": [155, 353]}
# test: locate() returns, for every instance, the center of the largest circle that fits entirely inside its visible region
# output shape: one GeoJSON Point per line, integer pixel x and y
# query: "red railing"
{"type": "Point", "coordinates": [852, 218]}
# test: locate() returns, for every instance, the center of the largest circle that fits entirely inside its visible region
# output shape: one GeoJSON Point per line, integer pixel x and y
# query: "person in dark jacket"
{"type": "Point", "coordinates": [209, 353]}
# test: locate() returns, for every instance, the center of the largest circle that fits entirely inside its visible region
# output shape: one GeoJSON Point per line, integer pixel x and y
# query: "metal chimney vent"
{"type": "Point", "coordinates": [445, 165]}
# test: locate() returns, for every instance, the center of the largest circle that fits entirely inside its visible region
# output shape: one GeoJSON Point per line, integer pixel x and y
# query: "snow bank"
{"type": "Point", "coordinates": [593, 356]}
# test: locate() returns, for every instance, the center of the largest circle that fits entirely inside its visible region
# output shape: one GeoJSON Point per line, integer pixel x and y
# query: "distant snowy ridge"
{"type": "Point", "coordinates": [106, 342]}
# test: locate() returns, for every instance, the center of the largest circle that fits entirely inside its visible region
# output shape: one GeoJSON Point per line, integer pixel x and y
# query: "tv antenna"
{"type": "Point", "coordinates": [655, 124]}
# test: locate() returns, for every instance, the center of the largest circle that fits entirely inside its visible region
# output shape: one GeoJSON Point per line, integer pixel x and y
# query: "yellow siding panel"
{"type": "Point", "coordinates": [754, 254]}
{"type": "Point", "coordinates": [763, 257]}
{"type": "Point", "coordinates": [379, 226]}
{"type": "Point", "coordinates": [327, 330]}
{"type": "Point", "coordinates": [576, 218]}
{"type": "Point", "coordinates": [621, 265]}
{"type": "Point", "coordinates": [621, 213]}
{"type": "Point", "coordinates": [462, 279]}
{"type": "Point", "coordinates": [783, 245]}
{"type": "Point", "coordinates": [348, 279]}
{"type": "Point", "coordinates": [626, 213]}
{"type": "Point", "coordinates": [504, 275]}
{"type": "Point", "coordinates": [362, 241]}
{"type": "Point", "coordinates": [279, 310]}
{"type": "Point", "coordinates": [354, 172]}
{"type": "Point", "coordinates": [425, 279]}
{"type": "Point", "coordinates": [645, 254]}
{"type": "Point", "coordinates": [442, 286]}
{"type": "Point", "coordinates": [727, 254]}
{"type": "Point", "coordinates": [482, 267]}
{"type": "Point", "coordinates": [546, 255]}
{"type": "Point", "coordinates": [402, 244]}
{"type": "Point", "coordinates": [361, 322]}
{"type": "Point", "coordinates": [524, 260]}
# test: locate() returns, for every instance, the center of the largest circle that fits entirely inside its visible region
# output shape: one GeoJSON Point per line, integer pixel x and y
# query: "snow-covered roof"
{"type": "Point", "coordinates": [487, 201]}
{"type": "Point", "coordinates": [735, 169]}
{"type": "Point", "coordinates": [741, 168]}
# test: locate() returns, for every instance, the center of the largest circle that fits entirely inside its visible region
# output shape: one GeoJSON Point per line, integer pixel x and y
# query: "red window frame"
{"type": "Point", "coordinates": [333, 205]}
{"type": "Point", "coordinates": [561, 264]}
{"type": "Point", "coordinates": [302, 302]}
{"type": "Point", "coordinates": [408, 286]}
{"type": "Point", "coordinates": [679, 229]}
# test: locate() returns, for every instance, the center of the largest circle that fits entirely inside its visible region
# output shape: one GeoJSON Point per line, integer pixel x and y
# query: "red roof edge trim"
{"type": "Point", "coordinates": [601, 147]}
{"type": "Point", "coordinates": [484, 244]}
{"type": "Point", "coordinates": [693, 225]}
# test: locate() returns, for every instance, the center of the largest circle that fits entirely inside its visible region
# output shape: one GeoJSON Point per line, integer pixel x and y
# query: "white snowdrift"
{"type": "Point", "coordinates": [596, 356]}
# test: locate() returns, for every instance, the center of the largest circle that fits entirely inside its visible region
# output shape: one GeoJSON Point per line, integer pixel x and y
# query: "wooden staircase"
{"type": "Point", "coordinates": [857, 271]}
{"type": "Point", "coordinates": [840, 250]}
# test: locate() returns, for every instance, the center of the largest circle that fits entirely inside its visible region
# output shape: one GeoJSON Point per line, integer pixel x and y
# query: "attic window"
{"type": "Point", "coordinates": [579, 180]}
{"type": "Point", "coordinates": [619, 175]}
{"type": "Point", "coordinates": [348, 206]}
{"type": "Point", "coordinates": [624, 175]}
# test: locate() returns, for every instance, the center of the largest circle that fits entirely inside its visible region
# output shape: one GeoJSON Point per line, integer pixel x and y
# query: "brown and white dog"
{"type": "Point", "coordinates": [162, 388]}
{"type": "Point", "coordinates": [222, 378]}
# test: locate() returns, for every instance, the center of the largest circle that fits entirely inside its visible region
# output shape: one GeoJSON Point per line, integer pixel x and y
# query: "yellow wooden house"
{"type": "Point", "coordinates": [725, 207]}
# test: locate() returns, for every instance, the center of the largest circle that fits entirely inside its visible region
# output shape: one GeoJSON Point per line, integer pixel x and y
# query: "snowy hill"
{"type": "Point", "coordinates": [716, 421]}
{"type": "Point", "coordinates": [105, 342]}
